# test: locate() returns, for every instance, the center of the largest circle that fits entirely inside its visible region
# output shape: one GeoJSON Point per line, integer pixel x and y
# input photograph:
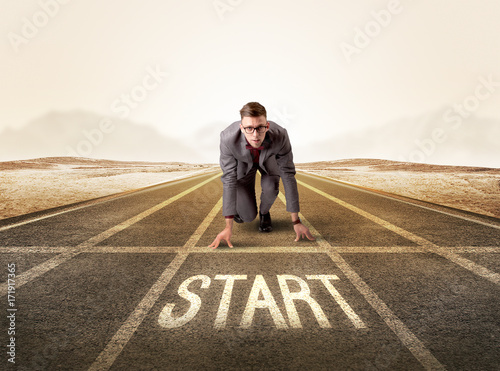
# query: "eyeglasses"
{"type": "Point", "coordinates": [250, 129]}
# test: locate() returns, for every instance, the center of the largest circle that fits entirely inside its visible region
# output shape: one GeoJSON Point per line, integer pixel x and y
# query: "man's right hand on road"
{"type": "Point", "coordinates": [224, 235]}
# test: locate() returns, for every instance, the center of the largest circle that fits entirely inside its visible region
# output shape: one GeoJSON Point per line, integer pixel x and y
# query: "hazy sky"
{"type": "Point", "coordinates": [186, 66]}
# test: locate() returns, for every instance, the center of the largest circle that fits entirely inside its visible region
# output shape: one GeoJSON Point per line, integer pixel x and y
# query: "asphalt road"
{"type": "Point", "coordinates": [130, 284]}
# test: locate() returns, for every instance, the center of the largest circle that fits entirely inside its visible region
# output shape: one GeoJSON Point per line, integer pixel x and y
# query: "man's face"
{"type": "Point", "coordinates": [255, 139]}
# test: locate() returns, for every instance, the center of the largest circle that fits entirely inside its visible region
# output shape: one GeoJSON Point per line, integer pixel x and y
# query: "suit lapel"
{"type": "Point", "coordinates": [263, 153]}
{"type": "Point", "coordinates": [247, 156]}
{"type": "Point", "coordinates": [244, 151]}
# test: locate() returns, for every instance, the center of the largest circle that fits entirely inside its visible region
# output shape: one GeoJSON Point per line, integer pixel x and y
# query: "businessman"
{"type": "Point", "coordinates": [252, 144]}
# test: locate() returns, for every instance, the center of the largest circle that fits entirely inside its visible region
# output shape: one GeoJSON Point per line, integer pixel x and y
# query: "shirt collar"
{"type": "Point", "coordinates": [249, 146]}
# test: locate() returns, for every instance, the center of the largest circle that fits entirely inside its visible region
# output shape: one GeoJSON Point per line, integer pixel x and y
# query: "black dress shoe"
{"type": "Point", "coordinates": [237, 219]}
{"type": "Point", "coordinates": [265, 223]}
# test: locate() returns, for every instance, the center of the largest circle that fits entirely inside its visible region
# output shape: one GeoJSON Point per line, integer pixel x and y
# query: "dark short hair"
{"type": "Point", "coordinates": [253, 109]}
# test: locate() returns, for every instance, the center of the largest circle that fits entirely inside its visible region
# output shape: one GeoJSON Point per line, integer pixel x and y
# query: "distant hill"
{"type": "Point", "coordinates": [475, 142]}
{"type": "Point", "coordinates": [53, 163]}
{"type": "Point", "coordinates": [80, 134]}
{"type": "Point", "coordinates": [370, 164]}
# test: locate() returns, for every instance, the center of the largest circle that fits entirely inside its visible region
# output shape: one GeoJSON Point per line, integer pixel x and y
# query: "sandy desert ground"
{"type": "Point", "coordinates": [33, 185]}
{"type": "Point", "coordinates": [467, 188]}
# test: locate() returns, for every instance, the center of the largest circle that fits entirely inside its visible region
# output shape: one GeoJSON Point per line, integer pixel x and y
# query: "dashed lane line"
{"type": "Point", "coordinates": [52, 263]}
{"type": "Point", "coordinates": [114, 347]}
{"type": "Point", "coordinates": [414, 345]}
{"type": "Point", "coordinates": [431, 247]}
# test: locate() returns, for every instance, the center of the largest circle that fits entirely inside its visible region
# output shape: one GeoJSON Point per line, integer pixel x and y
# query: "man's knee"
{"type": "Point", "coordinates": [248, 215]}
{"type": "Point", "coordinates": [270, 184]}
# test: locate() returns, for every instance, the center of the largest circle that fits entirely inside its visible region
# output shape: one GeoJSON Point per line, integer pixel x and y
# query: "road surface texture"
{"type": "Point", "coordinates": [129, 283]}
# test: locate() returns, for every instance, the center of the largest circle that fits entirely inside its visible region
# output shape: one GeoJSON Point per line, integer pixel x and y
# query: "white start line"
{"type": "Point", "coordinates": [259, 289]}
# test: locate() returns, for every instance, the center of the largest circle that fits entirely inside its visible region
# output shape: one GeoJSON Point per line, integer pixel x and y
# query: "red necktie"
{"type": "Point", "coordinates": [255, 152]}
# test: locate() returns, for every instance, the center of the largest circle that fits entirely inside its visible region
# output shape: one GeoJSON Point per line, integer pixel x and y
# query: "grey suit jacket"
{"type": "Point", "coordinates": [275, 159]}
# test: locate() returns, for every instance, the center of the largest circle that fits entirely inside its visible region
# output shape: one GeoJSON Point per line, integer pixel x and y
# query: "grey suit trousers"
{"type": "Point", "coordinates": [246, 203]}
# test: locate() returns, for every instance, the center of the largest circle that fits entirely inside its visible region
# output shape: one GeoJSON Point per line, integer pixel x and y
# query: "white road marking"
{"type": "Point", "coordinates": [248, 249]}
{"type": "Point", "coordinates": [356, 321]}
{"type": "Point", "coordinates": [414, 345]}
{"type": "Point", "coordinates": [225, 301]}
{"type": "Point", "coordinates": [474, 249]}
{"type": "Point", "coordinates": [203, 226]}
{"type": "Point", "coordinates": [133, 249]}
{"type": "Point", "coordinates": [52, 263]}
{"type": "Point", "coordinates": [34, 249]}
{"type": "Point", "coordinates": [305, 295]}
{"type": "Point", "coordinates": [431, 247]}
{"type": "Point", "coordinates": [380, 249]}
{"type": "Point", "coordinates": [166, 320]}
{"type": "Point", "coordinates": [257, 249]}
{"type": "Point", "coordinates": [260, 287]}
{"type": "Point", "coordinates": [113, 349]}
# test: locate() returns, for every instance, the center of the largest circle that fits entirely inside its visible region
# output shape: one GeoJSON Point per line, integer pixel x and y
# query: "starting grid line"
{"type": "Point", "coordinates": [246, 250]}
{"type": "Point", "coordinates": [114, 347]}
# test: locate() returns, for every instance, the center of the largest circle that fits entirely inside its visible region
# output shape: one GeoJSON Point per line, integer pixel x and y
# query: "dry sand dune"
{"type": "Point", "coordinates": [33, 185]}
{"type": "Point", "coordinates": [472, 189]}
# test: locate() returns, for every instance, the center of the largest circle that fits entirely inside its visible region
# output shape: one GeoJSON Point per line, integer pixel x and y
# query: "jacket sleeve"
{"type": "Point", "coordinates": [228, 164]}
{"type": "Point", "coordinates": [284, 158]}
